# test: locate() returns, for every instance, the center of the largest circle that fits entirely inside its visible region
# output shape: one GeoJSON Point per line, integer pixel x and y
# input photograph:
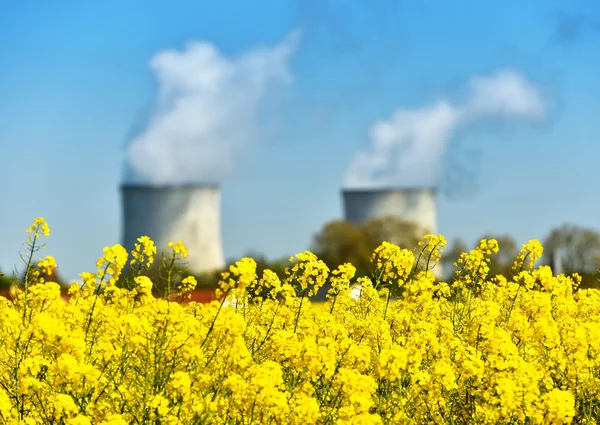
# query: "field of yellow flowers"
{"type": "Point", "coordinates": [405, 350]}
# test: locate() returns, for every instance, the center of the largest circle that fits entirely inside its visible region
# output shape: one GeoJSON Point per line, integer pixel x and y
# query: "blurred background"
{"type": "Point", "coordinates": [271, 127]}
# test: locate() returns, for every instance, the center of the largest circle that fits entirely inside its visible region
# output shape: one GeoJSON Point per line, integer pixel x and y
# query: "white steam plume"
{"type": "Point", "coordinates": [408, 148]}
{"type": "Point", "coordinates": [207, 108]}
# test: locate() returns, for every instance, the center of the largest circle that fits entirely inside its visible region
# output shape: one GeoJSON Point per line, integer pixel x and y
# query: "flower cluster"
{"type": "Point", "coordinates": [185, 288]}
{"type": "Point", "coordinates": [308, 272]}
{"type": "Point", "coordinates": [522, 349]}
{"type": "Point", "coordinates": [240, 276]}
{"type": "Point", "coordinates": [392, 263]}
{"type": "Point", "coordinates": [431, 249]}
{"type": "Point", "coordinates": [143, 252]}
{"type": "Point", "coordinates": [45, 266]}
{"type": "Point", "coordinates": [179, 249]}
{"type": "Point", "coordinates": [473, 267]}
{"type": "Point", "coordinates": [39, 225]}
{"type": "Point", "coordinates": [341, 279]}
{"type": "Point", "coordinates": [528, 255]}
{"type": "Point", "coordinates": [111, 264]}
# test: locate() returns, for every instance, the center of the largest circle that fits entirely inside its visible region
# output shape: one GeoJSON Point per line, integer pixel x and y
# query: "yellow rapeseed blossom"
{"type": "Point", "coordinates": [431, 249]}
{"type": "Point", "coordinates": [340, 279]}
{"type": "Point", "coordinates": [185, 288]}
{"type": "Point", "coordinates": [308, 272]}
{"type": "Point", "coordinates": [518, 349]}
{"type": "Point", "coordinates": [393, 263]}
{"type": "Point", "coordinates": [473, 267]}
{"type": "Point", "coordinates": [143, 252]}
{"type": "Point", "coordinates": [528, 255]}
{"type": "Point", "coordinates": [111, 263]}
{"type": "Point", "coordinates": [240, 276]}
{"type": "Point", "coordinates": [270, 283]}
{"type": "Point", "coordinates": [45, 266]}
{"type": "Point", "coordinates": [142, 291]}
{"type": "Point", "coordinates": [39, 225]}
{"type": "Point", "coordinates": [179, 249]}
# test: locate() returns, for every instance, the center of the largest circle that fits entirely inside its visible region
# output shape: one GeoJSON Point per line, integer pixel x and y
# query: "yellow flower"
{"type": "Point", "coordinates": [308, 273]}
{"type": "Point", "coordinates": [518, 349]}
{"type": "Point", "coordinates": [6, 405]}
{"type": "Point", "coordinates": [143, 252]}
{"type": "Point", "coordinates": [271, 282]}
{"type": "Point", "coordinates": [528, 255]}
{"type": "Point", "coordinates": [78, 420]}
{"type": "Point", "coordinates": [112, 262]}
{"type": "Point", "coordinates": [65, 406]}
{"type": "Point", "coordinates": [114, 419]}
{"type": "Point", "coordinates": [340, 279]}
{"type": "Point", "coordinates": [432, 248]}
{"type": "Point", "coordinates": [179, 249]}
{"type": "Point", "coordinates": [47, 264]}
{"type": "Point", "coordinates": [39, 225]}
{"type": "Point", "coordinates": [393, 264]}
{"type": "Point", "coordinates": [187, 285]}
{"type": "Point", "coordinates": [473, 267]}
{"type": "Point", "coordinates": [241, 275]}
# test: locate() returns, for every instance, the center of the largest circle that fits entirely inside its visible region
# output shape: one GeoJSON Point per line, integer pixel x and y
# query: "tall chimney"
{"type": "Point", "coordinates": [190, 213]}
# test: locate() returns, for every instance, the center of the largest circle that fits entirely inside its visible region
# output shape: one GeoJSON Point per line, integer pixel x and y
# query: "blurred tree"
{"type": "Point", "coordinates": [578, 248]}
{"type": "Point", "coordinates": [206, 280]}
{"type": "Point", "coordinates": [340, 242]}
{"type": "Point", "coordinates": [450, 255]}
{"type": "Point", "coordinates": [6, 281]}
{"type": "Point", "coordinates": [54, 276]}
{"type": "Point", "coordinates": [405, 234]}
{"type": "Point", "coordinates": [502, 262]}
{"type": "Point", "coordinates": [210, 280]}
{"type": "Point", "coordinates": [262, 263]}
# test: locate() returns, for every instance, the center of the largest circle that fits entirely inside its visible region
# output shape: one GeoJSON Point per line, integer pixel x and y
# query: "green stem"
{"type": "Point", "coordinates": [333, 305]}
{"type": "Point", "coordinates": [28, 273]}
{"type": "Point", "coordinates": [300, 308]}
{"type": "Point", "coordinates": [212, 325]}
{"type": "Point", "coordinates": [387, 303]}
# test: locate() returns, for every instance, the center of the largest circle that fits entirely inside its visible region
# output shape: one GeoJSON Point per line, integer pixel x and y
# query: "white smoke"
{"type": "Point", "coordinates": [408, 148]}
{"type": "Point", "coordinates": [207, 108]}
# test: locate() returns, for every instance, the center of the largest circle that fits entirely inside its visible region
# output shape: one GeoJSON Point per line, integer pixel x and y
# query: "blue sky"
{"type": "Point", "coordinates": [75, 85]}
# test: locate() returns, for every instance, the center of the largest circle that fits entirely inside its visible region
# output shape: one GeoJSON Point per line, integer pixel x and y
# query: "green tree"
{"type": "Point", "coordinates": [507, 252]}
{"type": "Point", "coordinates": [262, 262]}
{"type": "Point", "coordinates": [450, 255]}
{"type": "Point", "coordinates": [7, 281]}
{"type": "Point", "coordinates": [340, 242]}
{"type": "Point", "coordinates": [405, 234]}
{"type": "Point", "coordinates": [578, 249]}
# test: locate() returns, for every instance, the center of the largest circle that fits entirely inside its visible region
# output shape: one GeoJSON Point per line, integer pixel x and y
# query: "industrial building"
{"type": "Point", "coordinates": [412, 204]}
{"type": "Point", "coordinates": [417, 205]}
{"type": "Point", "coordinates": [190, 213]}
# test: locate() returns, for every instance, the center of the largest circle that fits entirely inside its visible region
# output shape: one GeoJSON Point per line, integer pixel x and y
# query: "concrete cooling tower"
{"type": "Point", "coordinates": [417, 205]}
{"type": "Point", "coordinates": [411, 204]}
{"type": "Point", "coordinates": [190, 213]}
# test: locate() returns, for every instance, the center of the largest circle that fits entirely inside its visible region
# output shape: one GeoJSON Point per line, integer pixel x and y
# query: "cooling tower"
{"type": "Point", "coordinates": [417, 205]}
{"type": "Point", "coordinates": [409, 204]}
{"type": "Point", "coordinates": [190, 213]}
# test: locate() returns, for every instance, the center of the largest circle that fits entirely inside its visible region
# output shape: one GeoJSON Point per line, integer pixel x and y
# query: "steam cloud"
{"type": "Point", "coordinates": [207, 108]}
{"type": "Point", "coordinates": [408, 148]}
